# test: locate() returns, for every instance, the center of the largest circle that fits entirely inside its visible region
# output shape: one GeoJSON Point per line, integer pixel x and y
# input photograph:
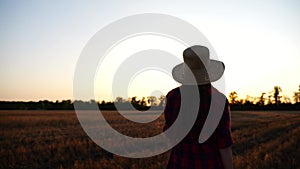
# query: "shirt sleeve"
{"type": "Point", "coordinates": [224, 136]}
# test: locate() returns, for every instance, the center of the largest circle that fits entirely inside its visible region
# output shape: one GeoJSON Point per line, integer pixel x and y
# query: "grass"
{"type": "Point", "coordinates": [54, 139]}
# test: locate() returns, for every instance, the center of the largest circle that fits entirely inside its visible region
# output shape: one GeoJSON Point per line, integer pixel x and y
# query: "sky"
{"type": "Point", "coordinates": [41, 41]}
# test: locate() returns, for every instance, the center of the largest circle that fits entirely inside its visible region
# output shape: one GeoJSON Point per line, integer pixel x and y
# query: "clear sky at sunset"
{"type": "Point", "coordinates": [40, 42]}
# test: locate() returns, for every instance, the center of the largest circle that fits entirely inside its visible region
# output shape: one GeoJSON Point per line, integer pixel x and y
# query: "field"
{"type": "Point", "coordinates": [54, 139]}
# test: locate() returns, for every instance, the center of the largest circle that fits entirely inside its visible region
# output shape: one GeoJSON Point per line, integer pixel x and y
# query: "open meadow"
{"type": "Point", "coordinates": [54, 139]}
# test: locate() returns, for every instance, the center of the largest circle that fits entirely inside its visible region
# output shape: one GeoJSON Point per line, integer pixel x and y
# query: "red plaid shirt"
{"type": "Point", "coordinates": [189, 154]}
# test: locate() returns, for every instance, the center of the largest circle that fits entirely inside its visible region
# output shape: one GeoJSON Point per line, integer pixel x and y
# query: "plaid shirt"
{"type": "Point", "coordinates": [189, 154]}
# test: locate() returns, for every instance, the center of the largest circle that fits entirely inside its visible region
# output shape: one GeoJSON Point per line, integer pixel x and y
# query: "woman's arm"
{"type": "Point", "coordinates": [226, 155]}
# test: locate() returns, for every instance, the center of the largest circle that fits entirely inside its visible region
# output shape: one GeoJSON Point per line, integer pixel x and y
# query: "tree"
{"type": "Point", "coordinates": [162, 100]}
{"type": "Point", "coordinates": [262, 99]}
{"type": "Point", "coordinates": [93, 101]}
{"type": "Point", "coordinates": [286, 99]}
{"type": "Point", "coordinates": [249, 100]}
{"type": "Point", "coordinates": [152, 100]}
{"type": "Point", "coordinates": [133, 100]}
{"type": "Point", "coordinates": [233, 97]}
{"type": "Point", "coordinates": [270, 95]}
{"type": "Point", "coordinates": [297, 95]}
{"type": "Point", "coordinates": [143, 102]}
{"type": "Point", "coordinates": [66, 104]}
{"type": "Point", "coordinates": [119, 100]}
{"type": "Point", "coordinates": [277, 90]}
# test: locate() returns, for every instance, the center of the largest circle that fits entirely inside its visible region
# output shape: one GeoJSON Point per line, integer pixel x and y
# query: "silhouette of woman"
{"type": "Point", "coordinates": [214, 153]}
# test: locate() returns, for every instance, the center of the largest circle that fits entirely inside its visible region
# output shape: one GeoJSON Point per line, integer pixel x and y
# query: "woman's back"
{"type": "Point", "coordinates": [189, 153]}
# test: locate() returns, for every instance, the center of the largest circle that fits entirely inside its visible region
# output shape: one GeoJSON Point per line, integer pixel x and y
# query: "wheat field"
{"type": "Point", "coordinates": [55, 139]}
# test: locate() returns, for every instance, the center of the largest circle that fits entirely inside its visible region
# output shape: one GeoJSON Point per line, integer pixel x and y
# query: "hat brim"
{"type": "Point", "coordinates": [213, 72]}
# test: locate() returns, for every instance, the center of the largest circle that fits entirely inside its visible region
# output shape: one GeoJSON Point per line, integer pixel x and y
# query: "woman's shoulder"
{"type": "Point", "coordinates": [174, 92]}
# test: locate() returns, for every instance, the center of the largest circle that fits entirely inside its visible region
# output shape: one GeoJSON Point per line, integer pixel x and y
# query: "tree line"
{"type": "Point", "coordinates": [126, 104]}
{"type": "Point", "coordinates": [274, 100]}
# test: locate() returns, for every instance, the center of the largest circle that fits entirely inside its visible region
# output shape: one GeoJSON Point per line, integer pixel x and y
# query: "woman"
{"type": "Point", "coordinates": [197, 72]}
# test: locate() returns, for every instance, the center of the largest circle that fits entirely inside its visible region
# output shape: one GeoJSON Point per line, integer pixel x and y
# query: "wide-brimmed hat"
{"type": "Point", "coordinates": [198, 68]}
